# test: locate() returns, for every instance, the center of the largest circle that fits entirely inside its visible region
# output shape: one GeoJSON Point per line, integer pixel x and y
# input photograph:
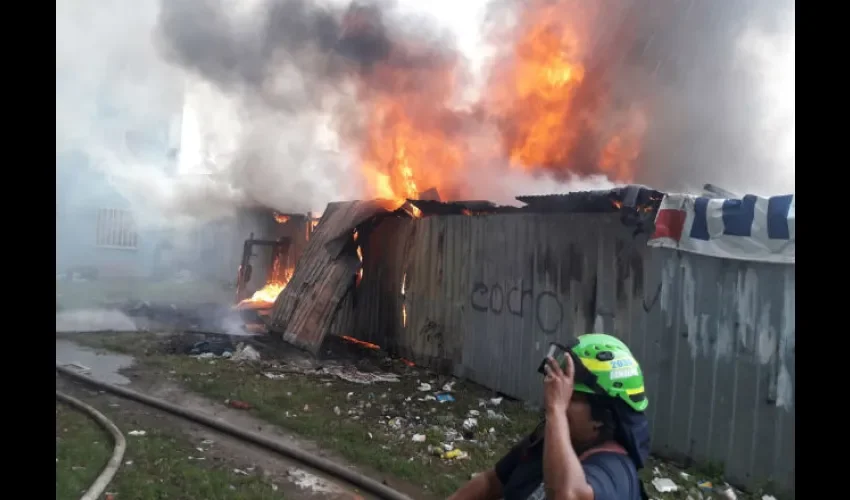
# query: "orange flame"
{"type": "Point", "coordinates": [548, 94]}
{"type": "Point", "coordinates": [265, 297]}
{"type": "Point", "coordinates": [554, 112]}
{"type": "Point", "coordinates": [409, 145]}
{"type": "Point", "coordinates": [280, 218]}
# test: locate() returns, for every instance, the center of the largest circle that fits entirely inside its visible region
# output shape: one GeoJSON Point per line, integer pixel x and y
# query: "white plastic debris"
{"type": "Point", "coordinates": [137, 433]}
{"type": "Point", "coordinates": [240, 472]}
{"type": "Point", "coordinates": [496, 401]}
{"type": "Point", "coordinates": [419, 438]}
{"type": "Point", "coordinates": [768, 497]}
{"type": "Point", "coordinates": [474, 413]}
{"type": "Point", "coordinates": [728, 492]}
{"type": "Point", "coordinates": [246, 353]}
{"type": "Point", "coordinates": [424, 387]}
{"type": "Point", "coordinates": [337, 411]}
{"type": "Point", "coordinates": [447, 387]}
{"type": "Point", "coordinates": [470, 424]}
{"type": "Point", "coordinates": [274, 376]}
{"type": "Point", "coordinates": [664, 485]}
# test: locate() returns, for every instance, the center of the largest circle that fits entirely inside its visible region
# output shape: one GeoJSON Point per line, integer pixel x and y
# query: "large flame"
{"type": "Point", "coordinates": [547, 95]}
{"type": "Point", "coordinates": [407, 144]}
{"type": "Point", "coordinates": [554, 110]}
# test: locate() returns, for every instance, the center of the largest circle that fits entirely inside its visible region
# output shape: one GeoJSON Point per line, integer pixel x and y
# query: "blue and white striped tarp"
{"type": "Point", "coordinates": [750, 228]}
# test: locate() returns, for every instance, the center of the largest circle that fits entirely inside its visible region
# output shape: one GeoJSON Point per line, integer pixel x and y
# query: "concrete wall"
{"type": "Point", "coordinates": [485, 295]}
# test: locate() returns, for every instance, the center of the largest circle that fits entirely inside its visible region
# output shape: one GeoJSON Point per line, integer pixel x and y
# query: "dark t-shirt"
{"type": "Point", "coordinates": [611, 475]}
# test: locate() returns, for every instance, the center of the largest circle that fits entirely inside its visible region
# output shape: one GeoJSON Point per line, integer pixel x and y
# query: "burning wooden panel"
{"type": "Point", "coordinates": [306, 309]}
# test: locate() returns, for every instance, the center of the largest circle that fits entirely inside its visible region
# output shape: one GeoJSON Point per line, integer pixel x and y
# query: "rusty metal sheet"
{"type": "Point", "coordinates": [306, 309]}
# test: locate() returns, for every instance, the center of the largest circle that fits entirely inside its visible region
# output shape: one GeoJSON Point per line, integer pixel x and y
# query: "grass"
{"type": "Point", "coordinates": [305, 405]}
{"type": "Point", "coordinates": [156, 465]}
{"type": "Point", "coordinates": [362, 432]}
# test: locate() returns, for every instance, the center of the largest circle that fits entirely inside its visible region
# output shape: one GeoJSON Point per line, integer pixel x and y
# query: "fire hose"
{"type": "Point", "coordinates": [99, 485]}
{"type": "Point", "coordinates": [321, 464]}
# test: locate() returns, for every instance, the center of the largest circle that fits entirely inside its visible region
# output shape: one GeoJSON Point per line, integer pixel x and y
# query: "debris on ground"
{"type": "Point", "coordinates": [351, 374]}
{"type": "Point", "coordinates": [444, 398]}
{"type": "Point", "coordinates": [239, 405]}
{"type": "Point", "coordinates": [419, 438]}
{"type": "Point", "coordinates": [136, 433]}
{"type": "Point", "coordinates": [211, 348]}
{"type": "Point", "coordinates": [423, 387]}
{"type": "Point", "coordinates": [455, 454]}
{"type": "Point", "coordinates": [245, 352]}
{"type": "Point", "coordinates": [306, 481]}
{"type": "Point", "coordinates": [664, 485]}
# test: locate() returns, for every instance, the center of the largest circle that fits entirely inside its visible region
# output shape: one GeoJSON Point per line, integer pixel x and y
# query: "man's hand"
{"type": "Point", "coordinates": [558, 385]}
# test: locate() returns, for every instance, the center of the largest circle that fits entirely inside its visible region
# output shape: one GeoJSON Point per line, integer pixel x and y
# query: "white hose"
{"type": "Point", "coordinates": [99, 485]}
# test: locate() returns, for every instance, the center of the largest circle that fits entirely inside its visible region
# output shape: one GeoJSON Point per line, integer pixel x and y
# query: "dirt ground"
{"type": "Point", "coordinates": [394, 431]}
{"type": "Point", "coordinates": [212, 452]}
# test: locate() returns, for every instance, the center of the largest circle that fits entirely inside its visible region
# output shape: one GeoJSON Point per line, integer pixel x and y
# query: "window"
{"type": "Point", "coordinates": [116, 229]}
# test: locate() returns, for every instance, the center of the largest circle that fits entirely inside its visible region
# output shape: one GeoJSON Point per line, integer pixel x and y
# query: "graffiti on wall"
{"type": "Point", "coordinates": [545, 306]}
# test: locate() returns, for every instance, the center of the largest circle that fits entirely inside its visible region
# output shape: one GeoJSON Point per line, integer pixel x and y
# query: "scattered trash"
{"type": "Point", "coordinates": [396, 423]}
{"type": "Point", "coordinates": [492, 415]}
{"type": "Point", "coordinates": [469, 427]}
{"type": "Point", "coordinates": [447, 387]}
{"type": "Point", "coordinates": [445, 398]}
{"type": "Point", "coordinates": [768, 497]}
{"type": "Point", "coordinates": [496, 401]}
{"type": "Point", "coordinates": [684, 475]}
{"type": "Point", "coordinates": [240, 472]}
{"type": "Point", "coordinates": [370, 435]}
{"type": "Point", "coordinates": [351, 374]}
{"type": "Point", "coordinates": [128, 462]}
{"type": "Point", "coordinates": [137, 433]}
{"type": "Point", "coordinates": [245, 352]}
{"type": "Point", "coordinates": [348, 396]}
{"type": "Point", "coordinates": [474, 413]}
{"type": "Point", "coordinates": [455, 454]}
{"type": "Point", "coordinates": [424, 387]}
{"type": "Point", "coordinates": [706, 485]}
{"type": "Point", "coordinates": [306, 408]}
{"type": "Point", "coordinates": [337, 411]}
{"type": "Point", "coordinates": [211, 349]}
{"type": "Point", "coordinates": [419, 438]}
{"type": "Point", "coordinates": [664, 485]}
{"type": "Point", "coordinates": [274, 376]}
{"type": "Point", "coordinates": [727, 492]}
{"type": "Point", "coordinates": [239, 405]}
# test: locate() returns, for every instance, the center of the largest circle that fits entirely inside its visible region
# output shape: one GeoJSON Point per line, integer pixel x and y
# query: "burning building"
{"type": "Point", "coordinates": [479, 291]}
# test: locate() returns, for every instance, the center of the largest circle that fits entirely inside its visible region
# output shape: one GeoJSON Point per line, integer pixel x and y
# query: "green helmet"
{"type": "Point", "coordinates": [618, 374]}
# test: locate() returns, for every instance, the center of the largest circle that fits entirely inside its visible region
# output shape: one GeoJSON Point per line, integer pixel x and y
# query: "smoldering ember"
{"type": "Point", "coordinates": [218, 339]}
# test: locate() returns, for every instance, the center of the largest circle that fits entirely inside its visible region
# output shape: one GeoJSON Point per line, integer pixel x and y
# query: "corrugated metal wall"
{"type": "Point", "coordinates": [487, 294]}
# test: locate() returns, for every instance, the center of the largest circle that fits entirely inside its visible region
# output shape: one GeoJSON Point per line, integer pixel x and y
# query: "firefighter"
{"type": "Point", "coordinates": [594, 437]}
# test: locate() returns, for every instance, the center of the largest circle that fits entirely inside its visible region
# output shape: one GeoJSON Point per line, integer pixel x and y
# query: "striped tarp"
{"type": "Point", "coordinates": [751, 228]}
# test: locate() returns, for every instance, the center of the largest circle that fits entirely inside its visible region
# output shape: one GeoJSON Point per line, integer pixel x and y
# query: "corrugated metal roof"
{"type": "Point", "coordinates": [599, 201]}
{"type": "Point", "coordinates": [304, 312]}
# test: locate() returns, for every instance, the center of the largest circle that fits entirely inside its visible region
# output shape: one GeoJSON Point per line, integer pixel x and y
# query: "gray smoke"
{"type": "Point", "coordinates": [699, 69]}
{"type": "Point", "coordinates": [713, 119]}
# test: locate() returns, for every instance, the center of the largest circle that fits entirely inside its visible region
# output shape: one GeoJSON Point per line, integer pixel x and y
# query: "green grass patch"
{"type": "Point", "coordinates": [156, 465]}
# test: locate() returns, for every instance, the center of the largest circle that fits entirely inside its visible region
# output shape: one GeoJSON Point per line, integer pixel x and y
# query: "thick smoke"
{"type": "Point", "coordinates": [713, 107]}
